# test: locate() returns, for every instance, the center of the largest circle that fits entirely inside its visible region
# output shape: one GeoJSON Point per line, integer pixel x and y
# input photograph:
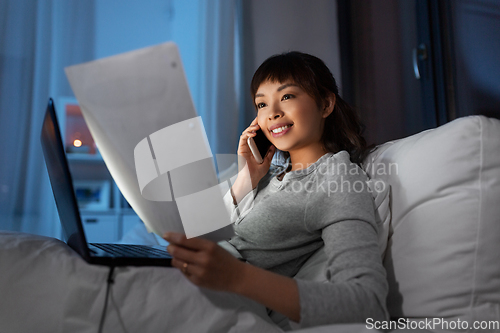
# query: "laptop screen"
{"type": "Point", "coordinates": [60, 179]}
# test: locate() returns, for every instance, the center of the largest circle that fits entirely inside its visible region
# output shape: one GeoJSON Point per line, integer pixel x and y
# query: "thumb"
{"type": "Point", "coordinates": [269, 154]}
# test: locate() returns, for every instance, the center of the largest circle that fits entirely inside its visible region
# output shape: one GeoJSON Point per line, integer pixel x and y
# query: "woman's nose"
{"type": "Point", "coordinates": [275, 112]}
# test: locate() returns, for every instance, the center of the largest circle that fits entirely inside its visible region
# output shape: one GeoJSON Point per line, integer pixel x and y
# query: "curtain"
{"type": "Point", "coordinates": [39, 38]}
{"type": "Point", "coordinates": [217, 100]}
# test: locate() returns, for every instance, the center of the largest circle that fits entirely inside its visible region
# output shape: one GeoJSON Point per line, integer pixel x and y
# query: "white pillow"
{"type": "Point", "coordinates": [381, 191]}
{"type": "Point", "coordinates": [442, 258]}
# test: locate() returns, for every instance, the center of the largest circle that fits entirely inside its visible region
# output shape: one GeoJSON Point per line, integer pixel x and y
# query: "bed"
{"type": "Point", "coordinates": [46, 287]}
{"type": "Point", "coordinates": [441, 222]}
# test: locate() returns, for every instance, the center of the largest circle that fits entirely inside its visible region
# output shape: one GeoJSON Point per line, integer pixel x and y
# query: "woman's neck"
{"type": "Point", "coordinates": [303, 158]}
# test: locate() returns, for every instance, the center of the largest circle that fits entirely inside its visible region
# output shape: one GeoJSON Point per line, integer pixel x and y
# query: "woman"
{"type": "Point", "coordinates": [317, 198]}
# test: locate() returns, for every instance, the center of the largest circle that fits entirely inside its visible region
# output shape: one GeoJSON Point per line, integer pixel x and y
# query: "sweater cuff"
{"type": "Point", "coordinates": [239, 211]}
{"type": "Point", "coordinates": [309, 296]}
{"type": "Point", "coordinates": [352, 303]}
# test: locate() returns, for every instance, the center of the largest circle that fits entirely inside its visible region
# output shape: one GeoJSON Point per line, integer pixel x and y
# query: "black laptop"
{"type": "Point", "coordinates": [69, 214]}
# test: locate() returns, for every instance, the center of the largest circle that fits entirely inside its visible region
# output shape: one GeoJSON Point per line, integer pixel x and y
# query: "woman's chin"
{"type": "Point", "coordinates": [283, 149]}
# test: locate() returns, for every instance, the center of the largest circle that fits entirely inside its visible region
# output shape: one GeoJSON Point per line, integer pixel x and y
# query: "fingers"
{"type": "Point", "coordinates": [212, 267]}
{"type": "Point", "coordinates": [249, 132]}
{"type": "Point", "coordinates": [254, 126]}
{"type": "Point", "coordinates": [245, 135]}
{"type": "Point", "coordinates": [190, 270]}
{"type": "Point", "coordinates": [254, 122]}
{"type": "Point", "coordinates": [194, 264]}
{"type": "Point", "coordinates": [193, 250]}
{"type": "Point", "coordinates": [181, 240]}
{"type": "Point", "coordinates": [188, 261]}
{"type": "Point", "coordinates": [243, 148]}
{"type": "Point", "coordinates": [269, 155]}
{"type": "Point", "coordinates": [181, 255]}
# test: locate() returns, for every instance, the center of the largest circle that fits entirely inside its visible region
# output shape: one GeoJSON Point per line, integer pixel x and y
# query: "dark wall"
{"type": "Point", "coordinates": [459, 77]}
{"type": "Point", "coordinates": [383, 33]}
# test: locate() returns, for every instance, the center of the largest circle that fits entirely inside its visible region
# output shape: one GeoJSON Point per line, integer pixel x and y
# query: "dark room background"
{"type": "Point", "coordinates": [406, 65]}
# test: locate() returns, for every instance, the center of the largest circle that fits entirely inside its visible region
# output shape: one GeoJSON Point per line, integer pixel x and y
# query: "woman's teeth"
{"type": "Point", "coordinates": [280, 129]}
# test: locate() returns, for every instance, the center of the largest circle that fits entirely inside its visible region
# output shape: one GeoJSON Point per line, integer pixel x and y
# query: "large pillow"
{"type": "Point", "coordinates": [443, 255]}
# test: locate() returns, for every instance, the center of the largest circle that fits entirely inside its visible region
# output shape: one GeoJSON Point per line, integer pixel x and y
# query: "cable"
{"type": "Point", "coordinates": [110, 281]}
{"type": "Point", "coordinates": [119, 316]}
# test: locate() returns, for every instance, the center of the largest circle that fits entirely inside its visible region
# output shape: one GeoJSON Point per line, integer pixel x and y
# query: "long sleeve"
{"type": "Point", "coordinates": [238, 212]}
{"type": "Point", "coordinates": [357, 286]}
{"type": "Point", "coordinates": [327, 204]}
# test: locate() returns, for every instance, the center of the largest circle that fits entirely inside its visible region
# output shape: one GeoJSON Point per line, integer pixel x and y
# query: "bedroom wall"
{"type": "Point", "coordinates": [276, 26]}
{"type": "Point", "coordinates": [122, 26]}
{"type": "Point", "coordinates": [386, 95]}
{"type": "Point", "coordinates": [385, 90]}
{"type": "Point", "coordinates": [267, 27]}
{"type": "Point", "coordinates": [53, 34]}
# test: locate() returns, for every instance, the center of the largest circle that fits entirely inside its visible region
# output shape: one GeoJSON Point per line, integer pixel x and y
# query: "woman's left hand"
{"type": "Point", "coordinates": [204, 263]}
{"type": "Point", "coordinates": [210, 266]}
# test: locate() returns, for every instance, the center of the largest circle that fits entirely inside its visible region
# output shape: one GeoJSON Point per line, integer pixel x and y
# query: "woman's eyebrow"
{"type": "Point", "coordinates": [279, 89]}
{"type": "Point", "coordinates": [286, 86]}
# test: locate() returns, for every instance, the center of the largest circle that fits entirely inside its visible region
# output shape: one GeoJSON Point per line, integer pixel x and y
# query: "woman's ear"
{"type": "Point", "coordinates": [329, 105]}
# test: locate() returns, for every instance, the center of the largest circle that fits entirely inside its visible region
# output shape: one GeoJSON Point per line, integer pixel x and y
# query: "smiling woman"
{"type": "Point", "coordinates": [292, 120]}
{"type": "Point", "coordinates": [341, 128]}
{"type": "Point", "coordinates": [283, 214]}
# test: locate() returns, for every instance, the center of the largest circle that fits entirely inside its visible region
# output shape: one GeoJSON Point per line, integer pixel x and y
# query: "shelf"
{"type": "Point", "coordinates": [85, 211]}
{"type": "Point", "coordinates": [90, 158]}
{"type": "Point", "coordinates": [110, 221]}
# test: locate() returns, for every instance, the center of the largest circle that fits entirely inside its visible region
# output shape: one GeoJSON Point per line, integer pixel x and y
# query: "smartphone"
{"type": "Point", "coordinates": [259, 145]}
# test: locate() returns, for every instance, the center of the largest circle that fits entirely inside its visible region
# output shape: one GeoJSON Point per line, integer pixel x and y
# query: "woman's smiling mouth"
{"type": "Point", "coordinates": [280, 130]}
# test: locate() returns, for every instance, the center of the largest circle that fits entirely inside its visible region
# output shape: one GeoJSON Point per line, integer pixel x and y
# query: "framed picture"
{"type": "Point", "coordinates": [93, 194]}
{"type": "Point", "coordinates": [77, 137]}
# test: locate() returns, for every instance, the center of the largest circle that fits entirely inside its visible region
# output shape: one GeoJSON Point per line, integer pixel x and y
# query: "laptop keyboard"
{"type": "Point", "coordinates": [134, 251]}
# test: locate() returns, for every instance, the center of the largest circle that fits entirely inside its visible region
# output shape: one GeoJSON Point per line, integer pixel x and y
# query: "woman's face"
{"type": "Point", "coordinates": [288, 116]}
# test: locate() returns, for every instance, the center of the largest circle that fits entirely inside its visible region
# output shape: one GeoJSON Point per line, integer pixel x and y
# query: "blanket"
{"type": "Point", "coordinates": [46, 287]}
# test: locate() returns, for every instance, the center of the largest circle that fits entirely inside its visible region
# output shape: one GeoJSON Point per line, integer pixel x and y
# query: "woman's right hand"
{"type": "Point", "coordinates": [250, 172]}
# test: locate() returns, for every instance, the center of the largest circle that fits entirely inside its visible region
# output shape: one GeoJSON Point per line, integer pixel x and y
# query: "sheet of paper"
{"type": "Point", "coordinates": [135, 105]}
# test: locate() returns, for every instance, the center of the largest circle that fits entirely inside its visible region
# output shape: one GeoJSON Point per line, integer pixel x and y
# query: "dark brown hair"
{"type": "Point", "coordinates": [343, 128]}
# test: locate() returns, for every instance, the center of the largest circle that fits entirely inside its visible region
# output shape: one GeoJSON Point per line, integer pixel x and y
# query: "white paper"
{"type": "Point", "coordinates": [136, 101]}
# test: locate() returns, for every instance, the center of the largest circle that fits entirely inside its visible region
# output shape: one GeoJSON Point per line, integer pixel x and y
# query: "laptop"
{"type": "Point", "coordinates": [69, 213]}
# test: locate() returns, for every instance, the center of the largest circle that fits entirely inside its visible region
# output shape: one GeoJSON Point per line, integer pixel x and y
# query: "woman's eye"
{"type": "Point", "coordinates": [260, 105]}
{"type": "Point", "coordinates": [286, 96]}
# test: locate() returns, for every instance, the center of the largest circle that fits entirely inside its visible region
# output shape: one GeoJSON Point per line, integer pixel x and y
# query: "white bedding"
{"type": "Point", "coordinates": [46, 287]}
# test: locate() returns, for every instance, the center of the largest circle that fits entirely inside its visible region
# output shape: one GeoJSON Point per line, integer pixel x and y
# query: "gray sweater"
{"type": "Point", "coordinates": [283, 222]}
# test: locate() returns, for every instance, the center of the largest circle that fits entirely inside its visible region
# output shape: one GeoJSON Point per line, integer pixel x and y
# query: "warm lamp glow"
{"type": "Point", "coordinates": [77, 143]}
